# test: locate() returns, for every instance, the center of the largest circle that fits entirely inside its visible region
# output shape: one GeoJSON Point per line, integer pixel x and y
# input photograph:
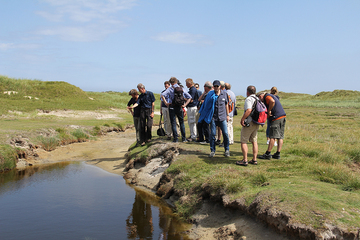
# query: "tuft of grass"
{"type": "Point", "coordinates": [119, 125]}
{"type": "Point", "coordinates": [96, 131]}
{"type": "Point", "coordinates": [49, 143]}
{"type": "Point", "coordinates": [354, 155]}
{"type": "Point", "coordinates": [259, 179]}
{"type": "Point", "coordinates": [80, 134]}
{"type": "Point", "coordinates": [8, 157]}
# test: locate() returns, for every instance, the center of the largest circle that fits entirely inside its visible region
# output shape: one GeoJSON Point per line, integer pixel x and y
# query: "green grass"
{"type": "Point", "coordinates": [316, 180]}
{"type": "Point", "coordinates": [8, 156]}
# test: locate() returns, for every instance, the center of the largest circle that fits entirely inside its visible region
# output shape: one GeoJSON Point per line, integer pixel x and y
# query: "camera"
{"type": "Point", "coordinates": [246, 123]}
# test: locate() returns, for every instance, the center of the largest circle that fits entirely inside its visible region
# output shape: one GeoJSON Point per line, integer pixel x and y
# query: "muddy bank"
{"type": "Point", "coordinates": [218, 218]}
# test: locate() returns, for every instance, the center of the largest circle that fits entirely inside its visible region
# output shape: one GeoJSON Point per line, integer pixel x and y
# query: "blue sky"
{"type": "Point", "coordinates": [112, 45]}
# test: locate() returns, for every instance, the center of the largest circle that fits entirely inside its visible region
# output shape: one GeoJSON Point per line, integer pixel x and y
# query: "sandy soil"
{"type": "Point", "coordinates": [107, 152]}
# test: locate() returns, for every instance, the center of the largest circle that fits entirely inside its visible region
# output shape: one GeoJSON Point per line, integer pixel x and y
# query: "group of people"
{"type": "Point", "coordinates": [210, 116]}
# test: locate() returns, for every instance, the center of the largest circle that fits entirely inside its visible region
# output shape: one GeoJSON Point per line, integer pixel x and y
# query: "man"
{"type": "Point", "coordinates": [277, 119]}
{"type": "Point", "coordinates": [176, 110]}
{"type": "Point", "coordinates": [232, 96]}
{"type": "Point", "coordinates": [192, 110]}
{"type": "Point", "coordinates": [164, 110]}
{"type": "Point", "coordinates": [146, 102]}
{"type": "Point", "coordinates": [218, 141]}
{"type": "Point", "coordinates": [215, 110]}
{"type": "Point", "coordinates": [249, 128]}
{"type": "Point", "coordinates": [135, 112]}
{"type": "Point", "coordinates": [203, 126]}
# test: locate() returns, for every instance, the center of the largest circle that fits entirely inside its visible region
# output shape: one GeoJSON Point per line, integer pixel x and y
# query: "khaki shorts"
{"type": "Point", "coordinates": [249, 134]}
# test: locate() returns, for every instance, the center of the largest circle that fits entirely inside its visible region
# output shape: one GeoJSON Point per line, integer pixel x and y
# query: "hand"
{"type": "Point", "coordinates": [242, 122]}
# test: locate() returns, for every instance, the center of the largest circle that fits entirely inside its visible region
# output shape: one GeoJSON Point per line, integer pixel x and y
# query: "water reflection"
{"type": "Point", "coordinates": [140, 223]}
{"type": "Point", "coordinates": [73, 200]}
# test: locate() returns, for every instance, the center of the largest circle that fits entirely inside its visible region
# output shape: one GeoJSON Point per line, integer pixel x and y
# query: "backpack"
{"type": "Point", "coordinates": [259, 112]}
{"type": "Point", "coordinates": [179, 99]}
{"type": "Point", "coordinates": [231, 104]}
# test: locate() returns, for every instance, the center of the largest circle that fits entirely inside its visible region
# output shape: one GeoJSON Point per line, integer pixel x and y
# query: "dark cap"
{"type": "Point", "coordinates": [216, 83]}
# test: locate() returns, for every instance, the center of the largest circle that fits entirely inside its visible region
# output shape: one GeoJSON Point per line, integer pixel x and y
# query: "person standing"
{"type": "Point", "coordinates": [230, 128]}
{"type": "Point", "coordinates": [192, 110]}
{"type": "Point", "coordinates": [175, 110]}
{"type": "Point", "coordinates": [203, 126]}
{"type": "Point", "coordinates": [135, 112]}
{"type": "Point", "coordinates": [215, 110]}
{"type": "Point", "coordinates": [277, 118]}
{"type": "Point", "coordinates": [274, 92]}
{"type": "Point", "coordinates": [164, 110]}
{"type": "Point", "coordinates": [249, 129]}
{"type": "Point", "coordinates": [146, 102]}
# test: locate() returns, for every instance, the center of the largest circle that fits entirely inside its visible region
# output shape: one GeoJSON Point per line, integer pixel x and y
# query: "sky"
{"type": "Point", "coordinates": [300, 46]}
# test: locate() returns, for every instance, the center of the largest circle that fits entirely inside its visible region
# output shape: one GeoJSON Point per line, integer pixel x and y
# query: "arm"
{"type": "Point", "coordinates": [133, 106]}
{"type": "Point", "coordinates": [271, 103]}
{"type": "Point", "coordinates": [188, 97]}
{"type": "Point", "coordinates": [152, 109]}
{"type": "Point", "coordinates": [186, 103]}
{"type": "Point", "coordinates": [246, 114]}
{"type": "Point", "coordinates": [227, 112]}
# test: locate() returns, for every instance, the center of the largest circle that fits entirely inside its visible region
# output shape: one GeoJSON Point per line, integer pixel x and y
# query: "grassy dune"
{"type": "Point", "coordinates": [316, 181]}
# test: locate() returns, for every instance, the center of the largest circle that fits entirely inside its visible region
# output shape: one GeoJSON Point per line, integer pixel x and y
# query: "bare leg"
{"type": "Point", "coordinates": [255, 150]}
{"type": "Point", "coordinates": [271, 144]}
{"type": "Point", "coordinates": [280, 143]}
{"type": "Point", "coordinates": [244, 149]}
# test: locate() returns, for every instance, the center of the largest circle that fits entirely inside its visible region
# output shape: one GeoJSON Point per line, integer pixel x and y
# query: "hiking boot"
{"type": "Point", "coordinates": [227, 153]}
{"type": "Point", "coordinates": [265, 156]}
{"type": "Point", "coordinates": [276, 156]}
{"type": "Point", "coordinates": [212, 154]}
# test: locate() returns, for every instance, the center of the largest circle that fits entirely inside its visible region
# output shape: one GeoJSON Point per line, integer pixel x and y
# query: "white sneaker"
{"type": "Point", "coordinates": [227, 153]}
{"type": "Point", "coordinates": [212, 154]}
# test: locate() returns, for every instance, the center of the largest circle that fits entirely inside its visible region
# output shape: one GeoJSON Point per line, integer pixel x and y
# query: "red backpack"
{"type": "Point", "coordinates": [259, 112]}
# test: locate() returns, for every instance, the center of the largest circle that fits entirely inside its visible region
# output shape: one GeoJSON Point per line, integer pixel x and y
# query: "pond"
{"type": "Point", "coordinates": [74, 200]}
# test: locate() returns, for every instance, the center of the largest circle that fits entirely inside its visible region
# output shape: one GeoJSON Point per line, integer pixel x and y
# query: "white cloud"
{"type": "Point", "coordinates": [7, 46]}
{"type": "Point", "coordinates": [79, 33]}
{"type": "Point", "coordinates": [84, 11]}
{"type": "Point", "coordinates": [182, 38]}
{"type": "Point", "coordinates": [89, 20]}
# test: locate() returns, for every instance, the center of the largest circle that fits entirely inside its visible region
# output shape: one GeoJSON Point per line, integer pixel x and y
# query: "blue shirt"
{"type": "Point", "coordinates": [169, 93]}
{"type": "Point", "coordinates": [162, 102]}
{"type": "Point", "coordinates": [146, 99]}
{"type": "Point", "coordinates": [194, 95]}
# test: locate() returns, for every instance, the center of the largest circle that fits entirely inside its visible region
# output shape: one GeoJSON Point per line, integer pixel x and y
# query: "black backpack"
{"type": "Point", "coordinates": [179, 99]}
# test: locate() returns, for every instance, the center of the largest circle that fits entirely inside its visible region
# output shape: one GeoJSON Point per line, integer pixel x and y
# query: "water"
{"type": "Point", "coordinates": [74, 200]}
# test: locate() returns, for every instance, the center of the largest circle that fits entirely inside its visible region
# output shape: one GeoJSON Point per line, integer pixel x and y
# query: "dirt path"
{"type": "Point", "coordinates": [107, 152]}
